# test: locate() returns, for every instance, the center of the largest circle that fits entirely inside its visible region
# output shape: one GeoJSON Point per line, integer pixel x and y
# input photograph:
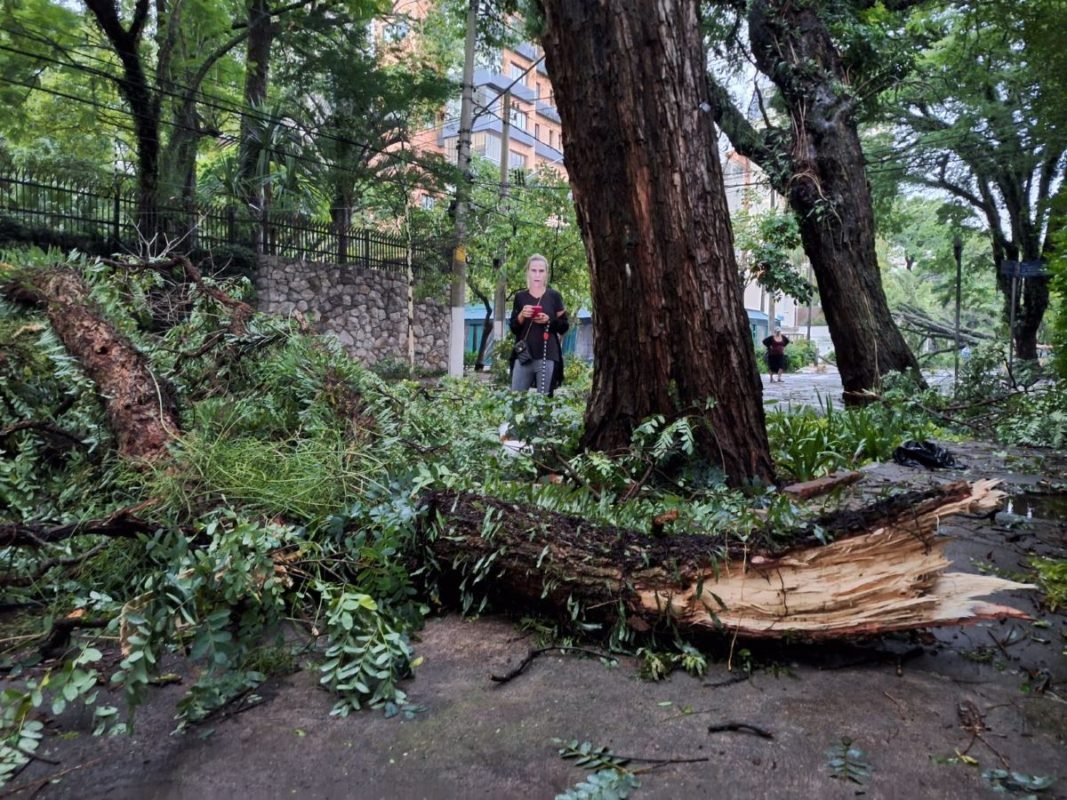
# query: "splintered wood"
{"type": "Point", "coordinates": [884, 569]}
{"type": "Point", "coordinates": [892, 578]}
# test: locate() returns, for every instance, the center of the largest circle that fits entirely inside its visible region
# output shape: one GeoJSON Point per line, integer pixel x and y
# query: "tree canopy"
{"type": "Point", "coordinates": [977, 122]}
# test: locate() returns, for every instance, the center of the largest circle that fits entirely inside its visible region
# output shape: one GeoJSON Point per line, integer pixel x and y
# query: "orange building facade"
{"type": "Point", "coordinates": [517, 81]}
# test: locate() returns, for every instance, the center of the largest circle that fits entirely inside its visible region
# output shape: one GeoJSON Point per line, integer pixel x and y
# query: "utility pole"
{"type": "Point", "coordinates": [456, 333]}
{"type": "Point", "coordinates": [811, 281]}
{"type": "Point", "coordinates": [957, 251]}
{"type": "Point", "coordinates": [505, 163]}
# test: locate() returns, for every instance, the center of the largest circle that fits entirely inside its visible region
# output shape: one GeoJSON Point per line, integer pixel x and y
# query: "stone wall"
{"type": "Point", "coordinates": [366, 310]}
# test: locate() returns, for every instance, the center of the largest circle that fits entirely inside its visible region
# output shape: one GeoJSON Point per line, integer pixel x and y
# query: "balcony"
{"type": "Point", "coordinates": [547, 110]}
{"type": "Point", "coordinates": [489, 123]}
{"type": "Point", "coordinates": [499, 82]}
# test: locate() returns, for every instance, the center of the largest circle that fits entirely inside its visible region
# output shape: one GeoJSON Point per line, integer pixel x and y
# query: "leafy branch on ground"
{"type": "Point", "coordinates": [283, 526]}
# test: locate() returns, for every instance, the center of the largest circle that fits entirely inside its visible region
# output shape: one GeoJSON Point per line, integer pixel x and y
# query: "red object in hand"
{"type": "Point", "coordinates": [537, 310]}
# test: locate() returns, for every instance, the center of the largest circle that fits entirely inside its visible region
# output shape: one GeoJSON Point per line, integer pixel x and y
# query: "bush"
{"type": "Point", "coordinates": [395, 368]}
{"type": "Point", "coordinates": [15, 232]}
{"type": "Point", "coordinates": [227, 261]}
{"type": "Point", "coordinates": [807, 444]}
{"type": "Point", "coordinates": [800, 353]}
{"type": "Point", "coordinates": [1052, 575]}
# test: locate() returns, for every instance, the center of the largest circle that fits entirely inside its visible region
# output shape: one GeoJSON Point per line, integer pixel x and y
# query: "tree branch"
{"type": "Point", "coordinates": [744, 137]}
{"type": "Point", "coordinates": [59, 636]}
{"type": "Point", "coordinates": [46, 427]}
{"type": "Point", "coordinates": [42, 568]}
{"type": "Point", "coordinates": [121, 524]}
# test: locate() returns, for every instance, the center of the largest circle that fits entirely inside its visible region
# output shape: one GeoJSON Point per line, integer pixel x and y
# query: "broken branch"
{"type": "Point", "coordinates": [740, 727]}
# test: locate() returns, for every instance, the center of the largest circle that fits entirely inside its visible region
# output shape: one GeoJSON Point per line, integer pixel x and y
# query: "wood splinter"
{"type": "Point", "coordinates": [884, 569]}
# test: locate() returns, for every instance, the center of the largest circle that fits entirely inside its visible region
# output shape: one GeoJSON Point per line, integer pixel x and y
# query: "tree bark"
{"type": "Point", "coordinates": [145, 105]}
{"type": "Point", "coordinates": [671, 330]}
{"type": "Point", "coordinates": [141, 412]}
{"type": "Point", "coordinates": [1031, 300]}
{"type": "Point", "coordinates": [251, 181]}
{"type": "Point", "coordinates": [883, 571]}
{"type": "Point", "coordinates": [825, 181]}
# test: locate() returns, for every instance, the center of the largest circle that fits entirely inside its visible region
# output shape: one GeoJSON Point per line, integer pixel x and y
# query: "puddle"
{"type": "Point", "coordinates": [1051, 507]}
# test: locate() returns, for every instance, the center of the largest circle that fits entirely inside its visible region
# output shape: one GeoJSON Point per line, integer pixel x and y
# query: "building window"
{"type": "Point", "coordinates": [396, 31]}
{"type": "Point", "coordinates": [516, 160]}
{"type": "Point", "coordinates": [517, 72]}
{"type": "Point", "coordinates": [427, 201]}
{"type": "Point", "coordinates": [486, 145]}
{"type": "Point", "coordinates": [537, 131]}
{"type": "Point", "coordinates": [519, 118]}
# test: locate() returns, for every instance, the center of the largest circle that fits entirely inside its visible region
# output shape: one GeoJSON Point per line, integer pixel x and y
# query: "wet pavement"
{"type": "Point", "coordinates": [815, 388]}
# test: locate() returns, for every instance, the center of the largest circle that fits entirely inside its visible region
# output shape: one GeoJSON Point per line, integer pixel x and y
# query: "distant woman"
{"type": "Point", "coordinates": [538, 320]}
{"type": "Point", "coordinates": [776, 345]}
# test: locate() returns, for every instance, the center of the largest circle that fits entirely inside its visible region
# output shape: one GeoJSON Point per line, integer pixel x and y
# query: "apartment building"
{"type": "Point", "coordinates": [747, 191]}
{"type": "Point", "coordinates": [515, 82]}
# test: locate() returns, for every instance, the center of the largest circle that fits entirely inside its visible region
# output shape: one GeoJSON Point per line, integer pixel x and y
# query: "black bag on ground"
{"type": "Point", "coordinates": [924, 454]}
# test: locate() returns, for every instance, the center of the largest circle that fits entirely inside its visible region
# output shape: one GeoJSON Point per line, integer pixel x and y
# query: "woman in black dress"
{"type": "Point", "coordinates": [538, 320]}
{"type": "Point", "coordinates": [776, 345]}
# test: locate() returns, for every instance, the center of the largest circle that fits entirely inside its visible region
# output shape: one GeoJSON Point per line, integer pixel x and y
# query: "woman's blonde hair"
{"type": "Point", "coordinates": [538, 257]}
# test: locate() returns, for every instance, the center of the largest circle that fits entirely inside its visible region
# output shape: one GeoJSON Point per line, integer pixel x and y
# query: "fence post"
{"type": "Point", "coordinates": [116, 214]}
{"type": "Point", "coordinates": [231, 224]}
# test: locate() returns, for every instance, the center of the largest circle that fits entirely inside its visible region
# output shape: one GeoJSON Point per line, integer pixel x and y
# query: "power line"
{"type": "Point", "coordinates": [224, 106]}
{"type": "Point", "coordinates": [889, 156]}
{"type": "Point", "coordinates": [228, 138]}
{"type": "Point", "coordinates": [229, 107]}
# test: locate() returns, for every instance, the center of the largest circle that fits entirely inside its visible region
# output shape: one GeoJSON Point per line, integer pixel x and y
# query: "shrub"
{"type": "Point", "coordinates": [806, 443]}
{"type": "Point", "coordinates": [227, 261]}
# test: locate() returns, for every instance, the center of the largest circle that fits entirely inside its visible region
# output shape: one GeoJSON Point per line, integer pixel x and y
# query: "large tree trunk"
{"type": "Point", "coordinates": [883, 571]}
{"type": "Point", "coordinates": [141, 412]}
{"type": "Point", "coordinates": [145, 105]}
{"type": "Point", "coordinates": [251, 180]}
{"type": "Point", "coordinates": [671, 330]}
{"type": "Point", "coordinates": [178, 173]}
{"type": "Point", "coordinates": [827, 188]}
{"type": "Point", "coordinates": [1030, 296]}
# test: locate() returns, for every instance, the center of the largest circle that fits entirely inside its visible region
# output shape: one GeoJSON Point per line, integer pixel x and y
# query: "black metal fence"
{"type": "Point", "coordinates": [105, 216]}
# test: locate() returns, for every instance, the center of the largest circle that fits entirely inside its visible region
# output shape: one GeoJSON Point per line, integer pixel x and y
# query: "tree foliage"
{"type": "Point", "coordinates": [978, 123]}
{"type": "Point", "coordinates": [67, 117]}
{"type": "Point", "coordinates": [535, 216]}
{"type": "Point", "coordinates": [769, 242]}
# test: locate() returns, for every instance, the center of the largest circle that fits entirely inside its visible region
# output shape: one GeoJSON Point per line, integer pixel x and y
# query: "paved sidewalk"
{"type": "Point", "coordinates": [815, 389]}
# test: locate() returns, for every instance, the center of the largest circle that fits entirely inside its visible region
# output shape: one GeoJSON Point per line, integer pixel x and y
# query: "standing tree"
{"type": "Point", "coordinates": [359, 109]}
{"type": "Point", "coordinates": [671, 330]}
{"type": "Point", "coordinates": [816, 161]}
{"type": "Point", "coordinates": [981, 124]}
{"type": "Point", "coordinates": [145, 86]}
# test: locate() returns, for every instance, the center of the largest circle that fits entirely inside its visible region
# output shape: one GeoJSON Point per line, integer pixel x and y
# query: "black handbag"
{"type": "Point", "coordinates": [521, 351]}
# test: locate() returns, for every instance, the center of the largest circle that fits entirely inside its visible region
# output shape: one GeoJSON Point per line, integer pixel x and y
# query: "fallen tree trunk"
{"type": "Point", "coordinates": [883, 571]}
{"type": "Point", "coordinates": [141, 412]}
{"type": "Point", "coordinates": [929, 326]}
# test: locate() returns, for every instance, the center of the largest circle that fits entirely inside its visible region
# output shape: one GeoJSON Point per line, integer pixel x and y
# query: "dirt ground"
{"type": "Point", "coordinates": [905, 701]}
